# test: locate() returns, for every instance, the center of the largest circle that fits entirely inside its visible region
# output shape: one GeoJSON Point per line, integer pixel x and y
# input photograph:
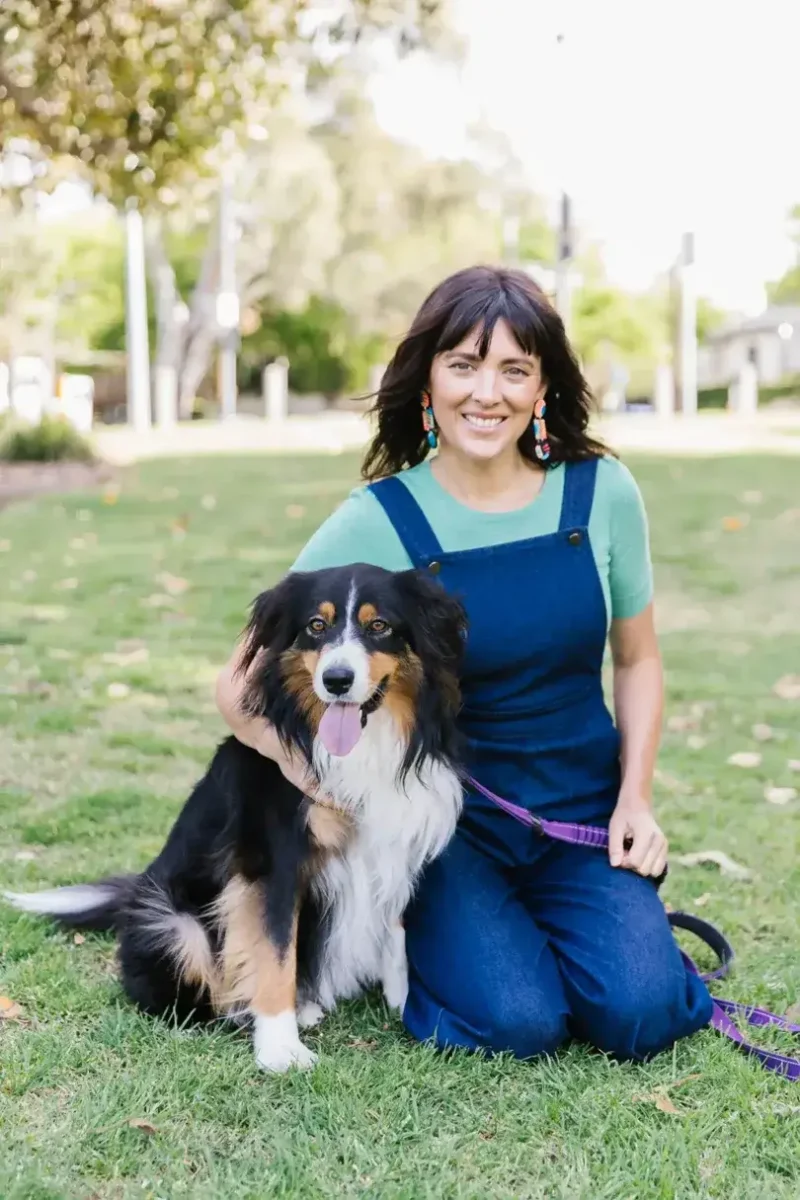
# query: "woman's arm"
{"type": "Point", "coordinates": [638, 704]}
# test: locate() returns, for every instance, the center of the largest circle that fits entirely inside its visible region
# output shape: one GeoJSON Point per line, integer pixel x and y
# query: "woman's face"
{"type": "Point", "coordinates": [483, 406]}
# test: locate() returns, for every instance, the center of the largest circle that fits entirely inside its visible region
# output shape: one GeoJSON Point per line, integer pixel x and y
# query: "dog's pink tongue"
{"type": "Point", "coordinates": [340, 728]}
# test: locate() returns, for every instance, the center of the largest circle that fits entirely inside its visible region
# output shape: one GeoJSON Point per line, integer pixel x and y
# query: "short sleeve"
{"type": "Point", "coordinates": [358, 531]}
{"type": "Point", "coordinates": [630, 565]}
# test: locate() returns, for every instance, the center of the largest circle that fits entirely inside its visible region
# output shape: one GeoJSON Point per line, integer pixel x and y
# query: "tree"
{"type": "Point", "coordinates": [786, 290]}
{"type": "Point", "coordinates": [135, 92]}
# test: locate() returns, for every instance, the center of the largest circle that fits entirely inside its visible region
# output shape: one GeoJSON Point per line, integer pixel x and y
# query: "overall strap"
{"type": "Point", "coordinates": [409, 521]}
{"type": "Point", "coordinates": [579, 481]}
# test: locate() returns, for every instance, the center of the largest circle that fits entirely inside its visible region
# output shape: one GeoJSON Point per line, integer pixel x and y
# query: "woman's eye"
{"type": "Point", "coordinates": [316, 626]}
{"type": "Point", "coordinates": [518, 372]}
{"type": "Point", "coordinates": [378, 626]}
{"type": "Point", "coordinates": [462, 367]}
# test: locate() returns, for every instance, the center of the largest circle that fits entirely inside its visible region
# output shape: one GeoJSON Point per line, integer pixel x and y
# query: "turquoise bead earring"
{"type": "Point", "coordinates": [428, 421]}
{"type": "Point", "coordinates": [541, 446]}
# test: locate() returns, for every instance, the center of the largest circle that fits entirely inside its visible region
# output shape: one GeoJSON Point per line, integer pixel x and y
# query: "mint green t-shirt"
{"type": "Point", "coordinates": [360, 531]}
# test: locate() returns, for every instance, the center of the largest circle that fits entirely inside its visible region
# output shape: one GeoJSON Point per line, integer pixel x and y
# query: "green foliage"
{"type": "Point", "coordinates": [324, 355]}
{"type": "Point", "coordinates": [135, 92]}
{"type": "Point", "coordinates": [786, 290]}
{"type": "Point", "coordinates": [53, 440]}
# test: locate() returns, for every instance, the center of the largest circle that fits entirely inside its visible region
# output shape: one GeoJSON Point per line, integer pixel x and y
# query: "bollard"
{"type": "Point", "coordinates": [743, 392]}
{"type": "Point", "coordinates": [166, 386]}
{"type": "Point", "coordinates": [664, 390]}
{"type": "Point", "coordinates": [276, 390]}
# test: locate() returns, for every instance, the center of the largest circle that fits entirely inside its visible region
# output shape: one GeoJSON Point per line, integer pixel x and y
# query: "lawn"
{"type": "Point", "coordinates": [115, 613]}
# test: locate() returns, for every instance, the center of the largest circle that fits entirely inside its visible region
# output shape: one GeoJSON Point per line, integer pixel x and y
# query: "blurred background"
{"type": "Point", "coordinates": [219, 207]}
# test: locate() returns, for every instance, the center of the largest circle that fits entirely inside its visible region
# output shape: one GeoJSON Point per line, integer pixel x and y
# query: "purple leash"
{"type": "Point", "coordinates": [591, 835]}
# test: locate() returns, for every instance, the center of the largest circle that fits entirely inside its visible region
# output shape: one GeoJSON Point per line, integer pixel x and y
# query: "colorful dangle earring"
{"type": "Point", "coordinates": [541, 446]}
{"type": "Point", "coordinates": [428, 421]}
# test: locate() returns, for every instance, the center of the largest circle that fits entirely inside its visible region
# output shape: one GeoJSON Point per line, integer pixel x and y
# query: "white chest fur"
{"type": "Point", "coordinates": [399, 828]}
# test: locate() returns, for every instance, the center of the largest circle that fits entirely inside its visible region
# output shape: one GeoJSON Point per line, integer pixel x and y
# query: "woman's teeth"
{"type": "Point", "coordinates": [482, 422]}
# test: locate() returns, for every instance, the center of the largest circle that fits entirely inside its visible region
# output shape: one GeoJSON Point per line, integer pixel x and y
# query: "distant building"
{"type": "Point", "coordinates": [770, 341]}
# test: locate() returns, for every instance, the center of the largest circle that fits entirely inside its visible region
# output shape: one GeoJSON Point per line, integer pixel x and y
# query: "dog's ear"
{"type": "Point", "coordinates": [439, 622]}
{"type": "Point", "coordinates": [272, 622]}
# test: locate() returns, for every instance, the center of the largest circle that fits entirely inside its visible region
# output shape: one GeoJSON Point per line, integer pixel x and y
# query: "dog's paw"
{"type": "Point", "coordinates": [309, 1014]}
{"type": "Point", "coordinates": [277, 1045]}
{"type": "Point", "coordinates": [395, 970]}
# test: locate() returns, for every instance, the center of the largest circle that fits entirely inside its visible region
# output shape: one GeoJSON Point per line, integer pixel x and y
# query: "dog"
{"type": "Point", "coordinates": [264, 907]}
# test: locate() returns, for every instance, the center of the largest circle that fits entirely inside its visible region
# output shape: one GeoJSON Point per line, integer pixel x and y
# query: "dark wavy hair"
{"type": "Point", "coordinates": [477, 298]}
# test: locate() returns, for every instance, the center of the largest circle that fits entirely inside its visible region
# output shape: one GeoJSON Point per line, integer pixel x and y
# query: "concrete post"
{"type": "Point", "coordinates": [276, 390]}
{"type": "Point", "coordinates": [664, 390]}
{"type": "Point", "coordinates": [743, 392]}
{"type": "Point", "coordinates": [166, 381]}
{"type": "Point", "coordinates": [136, 340]}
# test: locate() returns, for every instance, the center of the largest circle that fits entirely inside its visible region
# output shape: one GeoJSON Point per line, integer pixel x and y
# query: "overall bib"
{"type": "Point", "coordinates": [516, 942]}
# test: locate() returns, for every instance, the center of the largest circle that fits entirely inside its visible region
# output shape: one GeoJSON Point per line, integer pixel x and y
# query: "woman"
{"type": "Point", "coordinates": [516, 942]}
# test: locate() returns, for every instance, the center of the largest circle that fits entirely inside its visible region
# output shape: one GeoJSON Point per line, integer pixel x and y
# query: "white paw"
{"type": "Point", "coordinates": [309, 1014]}
{"type": "Point", "coordinates": [395, 970]}
{"type": "Point", "coordinates": [278, 1046]}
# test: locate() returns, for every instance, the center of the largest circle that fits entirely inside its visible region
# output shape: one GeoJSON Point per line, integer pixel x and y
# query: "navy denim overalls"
{"type": "Point", "coordinates": [516, 942]}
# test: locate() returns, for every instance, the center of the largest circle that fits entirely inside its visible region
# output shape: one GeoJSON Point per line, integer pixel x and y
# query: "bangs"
{"type": "Point", "coordinates": [482, 307]}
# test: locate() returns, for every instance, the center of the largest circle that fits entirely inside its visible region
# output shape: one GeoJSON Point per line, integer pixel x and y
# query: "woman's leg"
{"type": "Point", "coordinates": [627, 988]}
{"type": "Point", "coordinates": [481, 974]}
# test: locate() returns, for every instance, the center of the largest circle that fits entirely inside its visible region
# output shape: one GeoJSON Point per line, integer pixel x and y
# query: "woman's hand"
{"type": "Point", "coordinates": [634, 825]}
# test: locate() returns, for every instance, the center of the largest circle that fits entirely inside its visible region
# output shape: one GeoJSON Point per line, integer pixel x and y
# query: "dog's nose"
{"type": "Point", "coordinates": [338, 680]}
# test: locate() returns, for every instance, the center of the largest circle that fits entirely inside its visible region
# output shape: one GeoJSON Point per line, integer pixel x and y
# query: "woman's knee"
{"type": "Point", "coordinates": [641, 1016]}
{"type": "Point", "coordinates": [526, 1029]}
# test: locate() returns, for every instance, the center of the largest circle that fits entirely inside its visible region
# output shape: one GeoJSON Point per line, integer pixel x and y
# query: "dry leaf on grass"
{"type": "Point", "coordinates": [793, 764]}
{"type": "Point", "coordinates": [173, 585]}
{"type": "Point", "coordinates": [363, 1044]}
{"type": "Point", "coordinates": [660, 1097]}
{"type": "Point", "coordinates": [788, 687]}
{"type": "Point", "coordinates": [752, 497]}
{"type": "Point", "coordinates": [703, 900]}
{"type": "Point", "coordinates": [24, 856]}
{"type": "Point", "coordinates": [9, 1010]}
{"type": "Point", "coordinates": [118, 691]}
{"type": "Point", "coordinates": [780, 795]}
{"type": "Point", "coordinates": [78, 939]}
{"type": "Point", "coordinates": [717, 858]}
{"type": "Point", "coordinates": [66, 585]}
{"type": "Point", "coordinates": [127, 659]}
{"type": "Point", "coordinates": [763, 733]}
{"type": "Point", "coordinates": [140, 1123]}
{"type": "Point", "coordinates": [111, 494]}
{"type": "Point", "coordinates": [681, 722]}
{"type": "Point", "coordinates": [209, 503]}
{"type": "Point", "coordinates": [157, 600]}
{"type": "Point", "coordinates": [745, 758]}
{"type": "Point", "coordinates": [695, 742]}
{"type": "Point", "coordinates": [5, 545]}
{"type": "Point", "coordinates": [734, 524]}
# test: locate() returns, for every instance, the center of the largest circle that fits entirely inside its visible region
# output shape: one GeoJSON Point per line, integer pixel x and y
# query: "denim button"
{"type": "Point", "coordinates": [434, 568]}
{"type": "Point", "coordinates": [575, 538]}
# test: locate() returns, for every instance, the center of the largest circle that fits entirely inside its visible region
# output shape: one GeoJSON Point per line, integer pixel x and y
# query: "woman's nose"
{"type": "Point", "coordinates": [485, 390]}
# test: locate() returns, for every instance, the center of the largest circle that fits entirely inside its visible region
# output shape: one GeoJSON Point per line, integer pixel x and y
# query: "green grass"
{"type": "Point", "coordinates": [91, 596]}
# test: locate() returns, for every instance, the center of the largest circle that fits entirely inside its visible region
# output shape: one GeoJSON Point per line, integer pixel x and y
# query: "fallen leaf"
{"type": "Point", "coordinates": [745, 758]}
{"type": "Point", "coordinates": [209, 503]}
{"type": "Point", "coordinates": [29, 576]}
{"type": "Point", "coordinates": [78, 939]}
{"type": "Point", "coordinates": [83, 514]}
{"type": "Point", "coordinates": [681, 722]}
{"type": "Point", "coordinates": [733, 524]}
{"type": "Point", "coordinates": [695, 742]}
{"type": "Point", "coordinates": [118, 691]}
{"type": "Point", "coordinates": [60, 655]}
{"type": "Point", "coordinates": [702, 901]}
{"type": "Point", "coordinates": [363, 1044]}
{"type": "Point", "coordinates": [170, 493]}
{"type": "Point", "coordinates": [179, 526]}
{"type": "Point", "coordinates": [763, 733]}
{"type": "Point", "coordinates": [295, 511]}
{"type": "Point", "coordinates": [793, 1013]}
{"type": "Point", "coordinates": [140, 1123]}
{"type": "Point", "coordinates": [157, 600]}
{"type": "Point", "coordinates": [78, 543]}
{"type": "Point", "coordinates": [665, 1105]}
{"type": "Point", "coordinates": [173, 585]}
{"type": "Point", "coordinates": [752, 497]}
{"type": "Point", "coordinates": [111, 494]}
{"type": "Point", "coordinates": [129, 659]}
{"type": "Point", "coordinates": [9, 1011]}
{"type": "Point", "coordinates": [794, 764]}
{"type": "Point", "coordinates": [25, 856]}
{"type": "Point", "coordinates": [5, 544]}
{"type": "Point", "coordinates": [788, 687]}
{"type": "Point", "coordinates": [780, 795]}
{"type": "Point", "coordinates": [718, 859]}
{"type": "Point", "coordinates": [66, 585]}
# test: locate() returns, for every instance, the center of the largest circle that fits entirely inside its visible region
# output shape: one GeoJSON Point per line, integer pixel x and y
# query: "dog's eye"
{"type": "Point", "coordinates": [316, 626]}
{"type": "Point", "coordinates": [379, 626]}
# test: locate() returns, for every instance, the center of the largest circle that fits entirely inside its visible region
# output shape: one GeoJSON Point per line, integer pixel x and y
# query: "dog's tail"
{"type": "Point", "coordinates": [82, 905]}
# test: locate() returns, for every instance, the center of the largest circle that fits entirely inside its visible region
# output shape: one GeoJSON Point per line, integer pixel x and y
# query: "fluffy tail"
{"type": "Point", "coordinates": [82, 906]}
